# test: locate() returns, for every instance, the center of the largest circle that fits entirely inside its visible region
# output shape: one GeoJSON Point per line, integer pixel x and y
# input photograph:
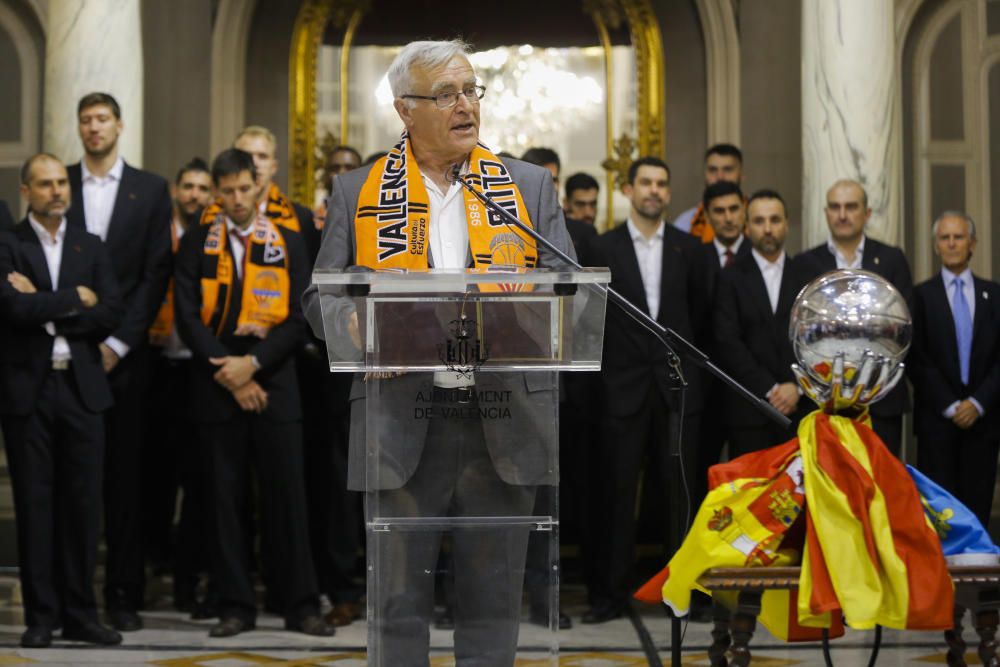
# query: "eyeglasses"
{"type": "Point", "coordinates": [447, 100]}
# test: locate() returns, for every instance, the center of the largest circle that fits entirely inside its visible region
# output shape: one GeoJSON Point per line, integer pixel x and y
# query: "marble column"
{"type": "Point", "coordinates": [850, 125]}
{"type": "Point", "coordinates": [92, 46]}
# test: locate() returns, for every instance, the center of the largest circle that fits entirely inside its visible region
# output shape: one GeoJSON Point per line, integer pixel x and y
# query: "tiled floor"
{"type": "Point", "coordinates": [170, 639]}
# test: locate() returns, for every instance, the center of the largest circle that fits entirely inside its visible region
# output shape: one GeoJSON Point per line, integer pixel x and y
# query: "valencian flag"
{"type": "Point", "coordinates": [859, 510]}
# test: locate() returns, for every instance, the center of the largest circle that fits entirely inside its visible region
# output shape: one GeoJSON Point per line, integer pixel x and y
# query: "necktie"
{"type": "Point", "coordinates": [963, 329]}
{"type": "Point", "coordinates": [729, 257]}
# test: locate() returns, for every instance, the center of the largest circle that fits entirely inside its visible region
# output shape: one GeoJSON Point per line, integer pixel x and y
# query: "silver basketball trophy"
{"type": "Point", "coordinates": [850, 331]}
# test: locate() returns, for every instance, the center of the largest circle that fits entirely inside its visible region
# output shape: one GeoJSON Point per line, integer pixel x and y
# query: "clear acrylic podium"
{"type": "Point", "coordinates": [454, 440]}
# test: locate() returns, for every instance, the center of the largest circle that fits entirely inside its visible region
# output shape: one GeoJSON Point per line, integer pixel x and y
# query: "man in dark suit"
{"type": "Point", "coordinates": [725, 210]}
{"type": "Point", "coordinates": [752, 308]}
{"type": "Point", "coordinates": [6, 219]}
{"type": "Point", "coordinates": [129, 209]}
{"type": "Point", "coordinates": [662, 271]}
{"type": "Point", "coordinates": [954, 365]}
{"type": "Point", "coordinates": [443, 467]}
{"type": "Point", "coordinates": [58, 301]}
{"type": "Point", "coordinates": [235, 288]}
{"type": "Point", "coordinates": [847, 213]}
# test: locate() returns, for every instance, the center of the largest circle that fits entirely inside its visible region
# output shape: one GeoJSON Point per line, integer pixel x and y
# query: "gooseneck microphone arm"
{"type": "Point", "coordinates": [673, 341]}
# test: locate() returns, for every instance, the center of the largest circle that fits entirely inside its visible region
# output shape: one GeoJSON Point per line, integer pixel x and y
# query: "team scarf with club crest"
{"type": "Point", "coordinates": [394, 210]}
{"type": "Point", "coordinates": [266, 286]}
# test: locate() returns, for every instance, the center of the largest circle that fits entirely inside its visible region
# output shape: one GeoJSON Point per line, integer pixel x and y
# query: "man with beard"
{"type": "Point", "coordinates": [237, 286]}
{"type": "Point", "coordinates": [723, 162]}
{"type": "Point", "coordinates": [171, 458]}
{"type": "Point", "coordinates": [752, 309]}
{"type": "Point", "coordinates": [129, 210]}
{"type": "Point", "coordinates": [661, 270]}
{"type": "Point", "coordinates": [58, 301]}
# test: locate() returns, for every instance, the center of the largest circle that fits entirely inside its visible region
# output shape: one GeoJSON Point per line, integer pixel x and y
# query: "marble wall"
{"type": "Point", "coordinates": [849, 127]}
{"type": "Point", "coordinates": [93, 46]}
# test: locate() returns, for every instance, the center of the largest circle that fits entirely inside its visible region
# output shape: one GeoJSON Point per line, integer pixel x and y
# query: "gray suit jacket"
{"type": "Point", "coordinates": [523, 449]}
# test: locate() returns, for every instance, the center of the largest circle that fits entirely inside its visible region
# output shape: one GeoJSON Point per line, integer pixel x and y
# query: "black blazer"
{"type": "Point", "coordinates": [6, 219]}
{"type": "Point", "coordinates": [890, 263]}
{"type": "Point", "coordinates": [751, 342]}
{"type": "Point", "coordinates": [712, 266]}
{"type": "Point", "coordinates": [581, 234]}
{"type": "Point", "coordinates": [634, 358]}
{"type": "Point", "coordinates": [210, 401]}
{"type": "Point", "coordinates": [138, 242]}
{"type": "Point", "coordinates": [25, 346]}
{"type": "Point", "coordinates": [933, 361]}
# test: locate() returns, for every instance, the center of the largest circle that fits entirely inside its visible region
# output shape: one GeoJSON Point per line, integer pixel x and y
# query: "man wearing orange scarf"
{"type": "Point", "coordinates": [237, 281]}
{"type": "Point", "coordinates": [723, 162]}
{"type": "Point", "coordinates": [405, 212]}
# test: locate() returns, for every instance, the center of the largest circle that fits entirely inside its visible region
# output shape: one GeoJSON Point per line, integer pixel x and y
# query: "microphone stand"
{"type": "Point", "coordinates": [670, 340]}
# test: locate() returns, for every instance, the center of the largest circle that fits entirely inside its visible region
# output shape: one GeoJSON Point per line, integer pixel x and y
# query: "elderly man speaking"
{"type": "Point", "coordinates": [445, 466]}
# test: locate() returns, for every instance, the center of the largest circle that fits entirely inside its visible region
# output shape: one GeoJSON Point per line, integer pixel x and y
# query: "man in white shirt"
{"type": "Point", "coordinates": [662, 271]}
{"type": "Point", "coordinates": [129, 209]}
{"type": "Point", "coordinates": [752, 309]}
{"type": "Point", "coordinates": [58, 300]}
{"type": "Point", "coordinates": [954, 365]}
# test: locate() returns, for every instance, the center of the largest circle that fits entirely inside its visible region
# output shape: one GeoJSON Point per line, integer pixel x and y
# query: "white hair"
{"type": "Point", "coordinates": [423, 54]}
{"type": "Point", "coordinates": [954, 214]}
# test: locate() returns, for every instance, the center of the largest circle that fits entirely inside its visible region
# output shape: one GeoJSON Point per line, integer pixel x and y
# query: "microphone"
{"type": "Point", "coordinates": [455, 173]}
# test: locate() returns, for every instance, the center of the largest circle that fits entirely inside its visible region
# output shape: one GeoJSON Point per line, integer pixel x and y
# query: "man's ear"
{"type": "Point", "coordinates": [405, 112]}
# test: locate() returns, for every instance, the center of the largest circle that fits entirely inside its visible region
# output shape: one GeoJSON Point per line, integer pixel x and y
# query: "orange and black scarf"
{"type": "Point", "coordinates": [394, 210]}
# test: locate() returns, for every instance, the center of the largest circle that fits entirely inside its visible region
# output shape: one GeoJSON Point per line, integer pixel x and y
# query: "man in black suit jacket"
{"type": "Point", "coordinates": [580, 207]}
{"type": "Point", "coordinates": [847, 213]}
{"type": "Point", "coordinates": [6, 219]}
{"type": "Point", "coordinates": [129, 209]}
{"type": "Point", "coordinates": [662, 271]}
{"type": "Point", "coordinates": [725, 210]}
{"type": "Point", "coordinates": [58, 300]}
{"type": "Point", "coordinates": [954, 365]}
{"type": "Point", "coordinates": [752, 308]}
{"type": "Point", "coordinates": [244, 392]}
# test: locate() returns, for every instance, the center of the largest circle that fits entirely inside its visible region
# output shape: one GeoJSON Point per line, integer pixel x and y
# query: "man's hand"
{"type": "Point", "coordinates": [354, 330]}
{"type": "Point", "coordinates": [21, 283]}
{"type": "Point", "coordinates": [109, 358]}
{"type": "Point", "coordinates": [784, 397]}
{"type": "Point", "coordinates": [251, 330]}
{"type": "Point", "coordinates": [87, 296]}
{"type": "Point", "coordinates": [234, 372]}
{"type": "Point", "coordinates": [251, 397]}
{"type": "Point", "coordinates": [966, 414]}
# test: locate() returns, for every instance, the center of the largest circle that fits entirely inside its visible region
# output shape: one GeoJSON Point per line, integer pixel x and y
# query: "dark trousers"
{"type": "Point", "coordinates": [712, 438]}
{"type": "Point", "coordinates": [172, 462]}
{"type": "Point", "coordinates": [335, 517]}
{"type": "Point", "coordinates": [890, 430]}
{"type": "Point", "coordinates": [123, 516]}
{"type": "Point", "coordinates": [55, 456]}
{"type": "Point", "coordinates": [747, 439]}
{"type": "Point", "coordinates": [455, 478]}
{"type": "Point", "coordinates": [274, 451]}
{"type": "Point", "coordinates": [963, 462]}
{"type": "Point", "coordinates": [627, 442]}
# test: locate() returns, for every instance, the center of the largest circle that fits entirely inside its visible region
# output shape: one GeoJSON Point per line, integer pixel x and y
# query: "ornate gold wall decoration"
{"type": "Point", "coordinates": [619, 161]}
{"type": "Point", "coordinates": [314, 15]}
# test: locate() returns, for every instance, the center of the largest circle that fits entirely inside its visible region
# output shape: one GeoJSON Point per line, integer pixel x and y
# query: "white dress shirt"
{"type": "Point", "coordinates": [99, 194]}
{"type": "Point", "coordinates": [448, 242]}
{"type": "Point", "coordinates": [772, 275]}
{"type": "Point", "coordinates": [969, 290]}
{"type": "Point", "coordinates": [649, 254]}
{"type": "Point", "coordinates": [842, 262]}
{"type": "Point", "coordinates": [53, 249]}
{"type": "Point", "coordinates": [237, 238]}
{"type": "Point", "coordinates": [175, 347]}
{"type": "Point", "coordinates": [721, 249]}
